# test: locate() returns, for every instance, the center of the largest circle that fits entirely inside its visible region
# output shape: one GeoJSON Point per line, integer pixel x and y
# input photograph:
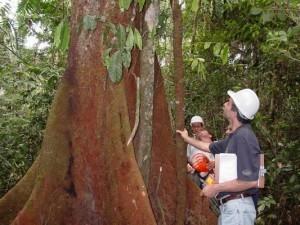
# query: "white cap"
{"type": "Point", "coordinates": [197, 119]}
{"type": "Point", "coordinates": [246, 101]}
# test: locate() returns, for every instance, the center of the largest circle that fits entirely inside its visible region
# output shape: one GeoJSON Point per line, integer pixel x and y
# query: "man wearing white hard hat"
{"type": "Point", "coordinates": [198, 176]}
{"type": "Point", "coordinates": [236, 197]}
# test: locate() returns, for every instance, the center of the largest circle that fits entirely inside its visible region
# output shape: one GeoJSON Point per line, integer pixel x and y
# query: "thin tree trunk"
{"type": "Point", "coordinates": [179, 98]}
{"type": "Point", "coordinates": [144, 135]}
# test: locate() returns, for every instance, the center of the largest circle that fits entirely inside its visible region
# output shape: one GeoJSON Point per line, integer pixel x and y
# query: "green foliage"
{"type": "Point", "coordinates": [199, 67]}
{"type": "Point", "coordinates": [138, 39]}
{"type": "Point", "coordinates": [48, 21]}
{"type": "Point", "coordinates": [125, 40]}
{"type": "Point", "coordinates": [253, 45]}
{"type": "Point", "coordinates": [247, 44]}
{"type": "Point", "coordinates": [124, 4]}
{"type": "Point", "coordinates": [266, 203]}
{"type": "Point", "coordinates": [62, 36]}
{"type": "Point", "coordinates": [23, 117]}
{"type": "Point", "coordinates": [195, 5]}
{"type": "Point", "coordinates": [28, 79]}
{"type": "Point", "coordinates": [141, 4]}
{"type": "Point", "coordinates": [115, 67]}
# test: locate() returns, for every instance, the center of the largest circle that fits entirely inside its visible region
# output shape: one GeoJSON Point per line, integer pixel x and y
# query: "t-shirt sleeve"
{"type": "Point", "coordinates": [247, 159]}
{"type": "Point", "coordinates": [218, 147]}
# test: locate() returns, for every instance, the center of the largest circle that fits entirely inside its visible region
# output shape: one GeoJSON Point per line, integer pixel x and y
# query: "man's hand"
{"type": "Point", "coordinates": [211, 165]}
{"type": "Point", "coordinates": [192, 141]}
{"type": "Point", "coordinates": [189, 168]}
{"type": "Point", "coordinates": [210, 190]}
{"type": "Point", "coordinates": [184, 134]}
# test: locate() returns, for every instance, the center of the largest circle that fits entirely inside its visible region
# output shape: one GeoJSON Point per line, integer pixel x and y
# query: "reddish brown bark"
{"type": "Point", "coordinates": [86, 173]}
{"type": "Point", "coordinates": [197, 208]}
{"type": "Point", "coordinates": [162, 186]}
{"type": "Point", "coordinates": [179, 120]}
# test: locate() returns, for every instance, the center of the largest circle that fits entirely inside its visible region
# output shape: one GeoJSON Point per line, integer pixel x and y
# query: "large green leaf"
{"type": "Point", "coordinates": [141, 4]}
{"type": "Point", "coordinates": [255, 11]}
{"type": "Point", "coordinates": [115, 67]}
{"type": "Point", "coordinates": [194, 64]}
{"type": "Point", "coordinates": [294, 31]}
{"type": "Point", "coordinates": [201, 70]}
{"type": "Point", "coordinates": [217, 49]}
{"type": "Point", "coordinates": [130, 40]}
{"type": "Point", "coordinates": [126, 58]}
{"type": "Point", "coordinates": [65, 36]}
{"type": "Point", "coordinates": [62, 36]}
{"type": "Point", "coordinates": [124, 4]}
{"type": "Point", "coordinates": [106, 57]}
{"type": "Point", "coordinates": [138, 39]}
{"type": "Point", "coordinates": [224, 54]}
{"type": "Point", "coordinates": [121, 36]}
{"type": "Point", "coordinates": [278, 36]}
{"type": "Point", "coordinates": [207, 45]}
{"type": "Point", "coordinates": [267, 17]}
{"type": "Point", "coordinates": [195, 5]}
{"type": "Point", "coordinates": [57, 34]}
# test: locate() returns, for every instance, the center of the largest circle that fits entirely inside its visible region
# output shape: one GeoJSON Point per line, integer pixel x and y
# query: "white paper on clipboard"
{"type": "Point", "coordinates": [225, 167]}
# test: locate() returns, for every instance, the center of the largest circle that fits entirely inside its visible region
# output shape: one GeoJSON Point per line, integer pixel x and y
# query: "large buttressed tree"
{"type": "Point", "coordinates": [86, 172]}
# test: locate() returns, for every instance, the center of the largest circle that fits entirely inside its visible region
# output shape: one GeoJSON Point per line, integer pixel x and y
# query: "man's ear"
{"type": "Point", "coordinates": [235, 113]}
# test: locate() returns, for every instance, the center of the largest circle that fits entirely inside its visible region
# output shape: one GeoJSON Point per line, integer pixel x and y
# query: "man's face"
{"type": "Point", "coordinates": [197, 127]}
{"type": "Point", "coordinates": [227, 108]}
{"type": "Point", "coordinates": [204, 135]}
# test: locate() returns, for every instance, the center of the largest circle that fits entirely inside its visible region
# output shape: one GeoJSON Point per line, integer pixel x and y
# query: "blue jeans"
{"type": "Point", "coordinates": [237, 212]}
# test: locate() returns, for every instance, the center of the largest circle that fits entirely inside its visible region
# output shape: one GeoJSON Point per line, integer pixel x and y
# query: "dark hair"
{"type": "Point", "coordinates": [213, 137]}
{"type": "Point", "coordinates": [240, 116]}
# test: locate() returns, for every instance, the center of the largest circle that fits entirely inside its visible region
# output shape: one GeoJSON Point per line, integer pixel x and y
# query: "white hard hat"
{"type": "Point", "coordinates": [197, 119]}
{"type": "Point", "coordinates": [246, 101]}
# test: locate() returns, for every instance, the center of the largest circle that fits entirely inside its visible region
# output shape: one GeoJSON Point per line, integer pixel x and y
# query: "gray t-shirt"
{"type": "Point", "coordinates": [244, 144]}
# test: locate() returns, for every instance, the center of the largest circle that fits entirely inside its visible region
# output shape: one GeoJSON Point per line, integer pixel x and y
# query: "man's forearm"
{"type": "Point", "coordinates": [198, 144]}
{"type": "Point", "coordinates": [236, 186]}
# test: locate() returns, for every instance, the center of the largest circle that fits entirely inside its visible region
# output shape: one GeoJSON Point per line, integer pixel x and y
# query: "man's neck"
{"type": "Point", "coordinates": [235, 124]}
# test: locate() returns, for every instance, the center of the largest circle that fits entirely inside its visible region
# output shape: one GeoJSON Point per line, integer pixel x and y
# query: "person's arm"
{"type": "Point", "coordinates": [229, 186]}
{"type": "Point", "coordinates": [189, 168]}
{"type": "Point", "coordinates": [192, 141]}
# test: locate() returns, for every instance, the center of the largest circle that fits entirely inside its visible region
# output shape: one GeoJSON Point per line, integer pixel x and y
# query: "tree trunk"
{"type": "Point", "coordinates": [87, 173]}
{"type": "Point", "coordinates": [179, 99]}
{"type": "Point", "coordinates": [163, 185]}
{"type": "Point", "coordinates": [198, 207]}
{"type": "Point", "coordinates": [143, 144]}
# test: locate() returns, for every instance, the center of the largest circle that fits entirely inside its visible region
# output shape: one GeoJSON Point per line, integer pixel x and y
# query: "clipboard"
{"type": "Point", "coordinates": [226, 168]}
